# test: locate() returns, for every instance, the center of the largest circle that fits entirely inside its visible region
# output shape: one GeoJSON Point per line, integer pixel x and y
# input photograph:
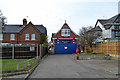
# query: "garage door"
{"type": "Point", "coordinates": [65, 46]}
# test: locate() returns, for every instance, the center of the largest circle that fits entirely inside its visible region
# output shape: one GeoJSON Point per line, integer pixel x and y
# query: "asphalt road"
{"type": "Point", "coordinates": [64, 66]}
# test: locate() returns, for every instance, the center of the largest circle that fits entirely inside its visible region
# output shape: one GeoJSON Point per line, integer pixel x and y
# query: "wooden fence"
{"type": "Point", "coordinates": [22, 51]}
{"type": "Point", "coordinates": [111, 48]}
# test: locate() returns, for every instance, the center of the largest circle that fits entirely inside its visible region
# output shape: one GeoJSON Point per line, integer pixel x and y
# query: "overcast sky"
{"type": "Point", "coordinates": [53, 13]}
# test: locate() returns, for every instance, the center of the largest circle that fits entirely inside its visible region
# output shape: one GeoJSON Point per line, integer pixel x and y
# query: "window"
{"type": "Point", "coordinates": [117, 33]}
{"type": "Point", "coordinates": [65, 32]}
{"type": "Point", "coordinates": [58, 41]}
{"type": "Point", "coordinates": [12, 36]}
{"type": "Point", "coordinates": [1, 36]}
{"type": "Point", "coordinates": [33, 37]}
{"type": "Point", "coordinates": [65, 41]}
{"type": "Point", "coordinates": [116, 27]}
{"type": "Point", "coordinates": [26, 36]}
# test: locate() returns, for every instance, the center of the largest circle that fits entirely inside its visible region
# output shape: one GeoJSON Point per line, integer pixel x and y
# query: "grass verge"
{"type": "Point", "coordinates": [90, 53]}
{"type": "Point", "coordinates": [13, 67]}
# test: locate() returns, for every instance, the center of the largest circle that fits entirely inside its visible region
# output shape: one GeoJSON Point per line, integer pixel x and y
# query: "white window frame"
{"type": "Point", "coordinates": [65, 32]}
{"type": "Point", "coordinates": [1, 36]}
{"type": "Point", "coordinates": [32, 36]}
{"type": "Point", "coordinates": [12, 36]}
{"type": "Point", "coordinates": [27, 36]}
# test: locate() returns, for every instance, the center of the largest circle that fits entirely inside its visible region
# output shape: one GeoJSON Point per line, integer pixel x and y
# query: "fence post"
{"type": "Point", "coordinates": [96, 47]}
{"type": "Point", "coordinates": [115, 47]}
{"type": "Point", "coordinates": [28, 63]}
{"type": "Point", "coordinates": [24, 65]}
{"type": "Point", "coordinates": [107, 48]}
{"type": "Point", "coordinates": [18, 66]}
{"type": "Point", "coordinates": [13, 52]}
{"type": "Point", "coordinates": [37, 51]}
{"type": "Point", "coordinates": [101, 47]}
{"type": "Point", "coordinates": [40, 50]}
{"type": "Point", "coordinates": [31, 61]}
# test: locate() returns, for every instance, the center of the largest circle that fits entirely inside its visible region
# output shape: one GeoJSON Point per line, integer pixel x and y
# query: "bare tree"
{"type": "Point", "coordinates": [3, 19]}
{"type": "Point", "coordinates": [82, 40]}
{"type": "Point", "coordinates": [88, 35]}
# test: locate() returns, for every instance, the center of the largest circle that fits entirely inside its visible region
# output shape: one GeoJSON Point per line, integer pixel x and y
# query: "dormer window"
{"type": "Point", "coordinates": [65, 32]}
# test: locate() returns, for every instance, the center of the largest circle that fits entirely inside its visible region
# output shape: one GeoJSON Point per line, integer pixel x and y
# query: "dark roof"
{"type": "Point", "coordinates": [98, 28]}
{"type": "Point", "coordinates": [12, 28]}
{"type": "Point", "coordinates": [41, 28]}
{"type": "Point", "coordinates": [65, 26]}
{"type": "Point", "coordinates": [17, 28]}
{"type": "Point", "coordinates": [114, 19]}
{"type": "Point", "coordinates": [111, 20]}
{"type": "Point", "coordinates": [102, 21]}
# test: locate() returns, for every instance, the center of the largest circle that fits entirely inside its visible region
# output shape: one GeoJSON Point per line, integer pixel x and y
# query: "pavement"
{"type": "Point", "coordinates": [101, 62]}
{"type": "Point", "coordinates": [64, 66]}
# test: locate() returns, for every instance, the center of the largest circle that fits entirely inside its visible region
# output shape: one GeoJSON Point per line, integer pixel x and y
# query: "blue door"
{"type": "Point", "coordinates": [65, 46]}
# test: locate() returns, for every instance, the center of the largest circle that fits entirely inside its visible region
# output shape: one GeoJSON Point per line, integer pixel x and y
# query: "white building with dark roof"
{"type": "Point", "coordinates": [110, 28]}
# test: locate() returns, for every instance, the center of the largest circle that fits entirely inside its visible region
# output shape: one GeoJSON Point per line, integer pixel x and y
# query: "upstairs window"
{"type": "Point", "coordinates": [117, 33]}
{"type": "Point", "coordinates": [32, 36]}
{"type": "Point", "coordinates": [1, 36]}
{"type": "Point", "coordinates": [65, 32]}
{"type": "Point", "coordinates": [26, 36]}
{"type": "Point", "coordinates": [116, 27]}
{"type": "Point", "coordinates": [12, 36]}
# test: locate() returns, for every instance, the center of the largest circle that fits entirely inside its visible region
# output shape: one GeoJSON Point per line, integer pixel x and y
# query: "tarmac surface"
{"type": "Point", "coordinates": [64, 66]}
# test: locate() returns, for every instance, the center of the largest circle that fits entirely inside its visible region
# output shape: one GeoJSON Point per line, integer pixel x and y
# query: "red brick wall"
{"type": "Point", "coordinates": [30, 29]}
{"type": "Point", "coordinates": [6, 38]}
{"type": "Point", "coordinates": [20, 37]}
{"type": "Point", "coordinates": [58, 35]}
{"type": "Point", "coordinates": [72, 35]}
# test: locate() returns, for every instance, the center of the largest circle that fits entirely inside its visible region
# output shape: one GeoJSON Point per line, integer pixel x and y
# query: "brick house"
{"type": "Point", "coordinates": [22, 34]}
{"type": "Point", "coordinates": [65, 41]}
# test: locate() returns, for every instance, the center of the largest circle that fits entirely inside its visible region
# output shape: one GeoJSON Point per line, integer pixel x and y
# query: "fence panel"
{"type": "Point", "coordinates": [23, 51]}
{"type": "Point", "coordinates": [112, 48]}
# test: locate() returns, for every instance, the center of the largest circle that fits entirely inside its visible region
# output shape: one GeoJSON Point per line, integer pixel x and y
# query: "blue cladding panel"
{"type": "Point", "coordinates": [65, 47]}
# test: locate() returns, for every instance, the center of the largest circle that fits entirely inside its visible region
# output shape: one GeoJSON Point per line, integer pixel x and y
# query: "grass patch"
{"type": "Point", "coordinates": [12, 60]}
{"type": "Point", "coordinates": [90, 53]}
{"type": "Point", "coordinates": [13, 67]}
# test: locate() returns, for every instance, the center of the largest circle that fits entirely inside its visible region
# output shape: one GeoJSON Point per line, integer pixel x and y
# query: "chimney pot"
{"type": "Point", "coordinates": [24, 22]}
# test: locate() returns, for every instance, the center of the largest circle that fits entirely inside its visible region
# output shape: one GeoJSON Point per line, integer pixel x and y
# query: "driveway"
{"type": "Point", "coordinates": [64, 66]}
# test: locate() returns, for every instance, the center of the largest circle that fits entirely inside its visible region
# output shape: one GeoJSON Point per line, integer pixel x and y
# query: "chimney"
{"type": "Point", "coordinates": [24, 22]}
